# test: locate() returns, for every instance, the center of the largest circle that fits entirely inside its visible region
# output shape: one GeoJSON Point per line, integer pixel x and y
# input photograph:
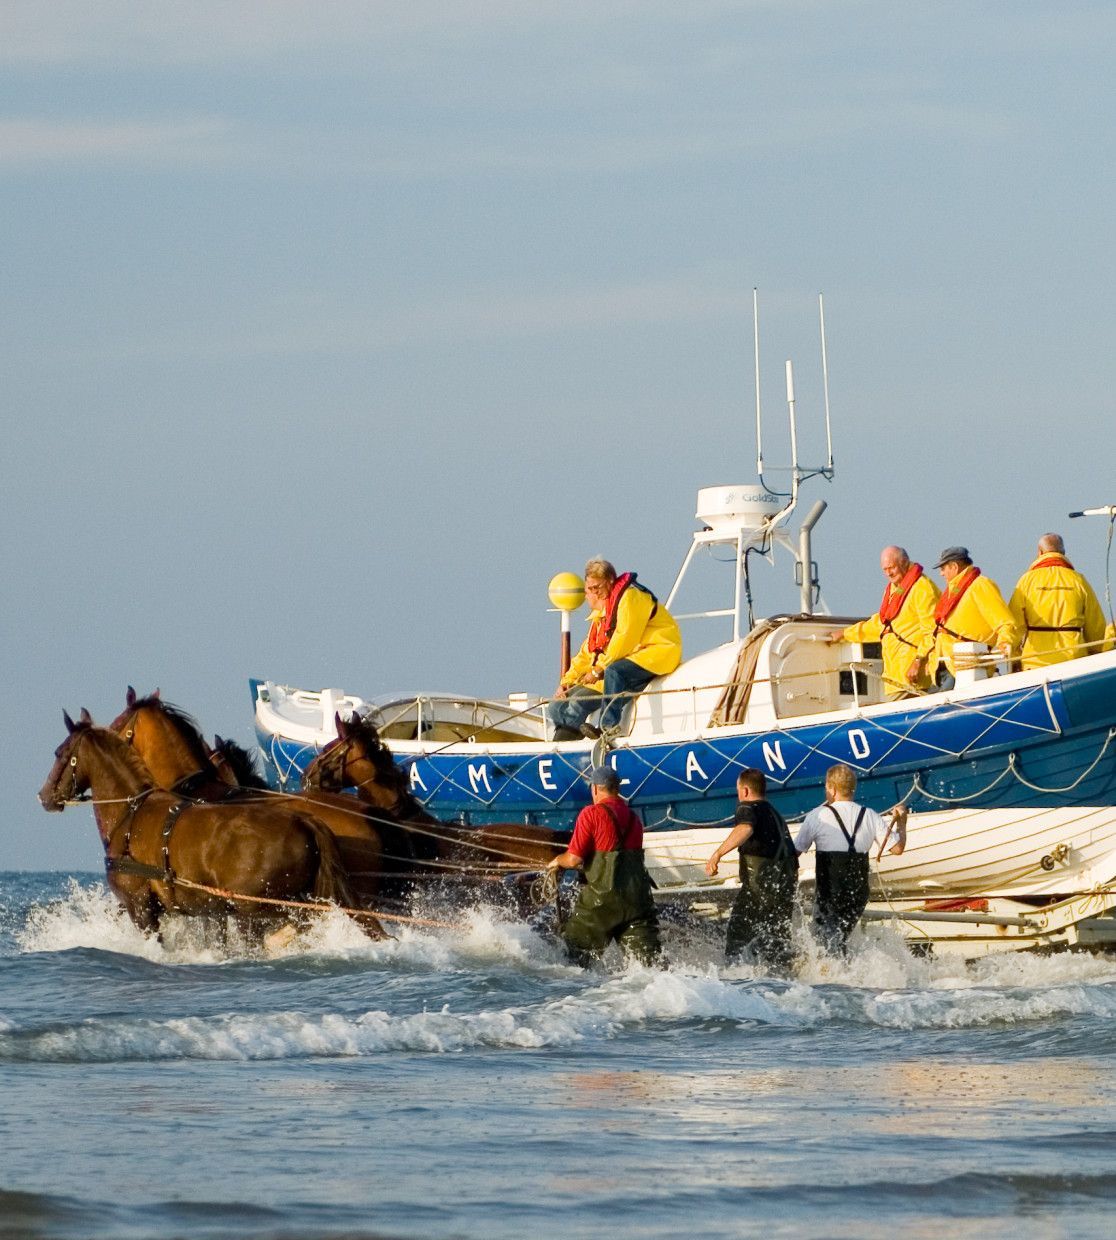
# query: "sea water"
{"type": "Point", "coordinates": [469, 1082]}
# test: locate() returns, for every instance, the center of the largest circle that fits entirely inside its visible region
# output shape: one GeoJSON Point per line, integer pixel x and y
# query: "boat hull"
{"type": "Point", "coordinates": [1011, 787]}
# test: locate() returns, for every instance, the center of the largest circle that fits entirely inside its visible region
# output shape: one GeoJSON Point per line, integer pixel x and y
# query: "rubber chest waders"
{"type": "Point", "coordinates": [840, 887]}
{"type": "Point", "coordinates": [760, 921]}
{"type": "Point", "coordinates": [615, 904]}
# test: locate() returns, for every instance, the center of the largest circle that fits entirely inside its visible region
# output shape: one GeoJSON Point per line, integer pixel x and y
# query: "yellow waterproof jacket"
{"type": "Point", "coordinates": [654, 642]}
{"type": "Point", "coordinates": [911, 636]}
{"type": "Point", "coordinates": [981, 616]}
{"type": "Point", "coordinates": [1059, 613]}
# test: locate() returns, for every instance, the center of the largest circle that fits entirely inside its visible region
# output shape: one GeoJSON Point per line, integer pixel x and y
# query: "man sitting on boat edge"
{"type": "Point", "coordinates": [632, 639]}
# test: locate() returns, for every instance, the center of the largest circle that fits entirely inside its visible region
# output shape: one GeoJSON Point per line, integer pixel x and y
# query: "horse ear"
{"type": "Point", "coordinates": [85, 716]}
{"type": "Point", "coordinates": [70, 725]}
{"type": "Point", "coordinates": [155, 695]}
{"type": "Point", "coordinates": [217, 741]}
{"type": "Point", "coordinates": [341, 726]}
{"type": "Point", "coordinates": [130, 697]}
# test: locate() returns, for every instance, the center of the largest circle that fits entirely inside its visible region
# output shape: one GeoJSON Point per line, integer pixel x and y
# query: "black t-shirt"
{"type": "Point", "coordinates": [770, 834]}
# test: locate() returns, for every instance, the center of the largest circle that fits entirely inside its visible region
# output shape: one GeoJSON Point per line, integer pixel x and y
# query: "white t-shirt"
{"type": "Point", "coordinates": [820, 829]}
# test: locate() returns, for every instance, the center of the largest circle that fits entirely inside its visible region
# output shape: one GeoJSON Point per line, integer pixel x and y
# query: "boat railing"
{"type": "Point", "coordinates": [472, 718]}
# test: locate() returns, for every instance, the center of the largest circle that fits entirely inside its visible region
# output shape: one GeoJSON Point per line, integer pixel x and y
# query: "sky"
{"type": "Point", "coordinates": [331, 331]}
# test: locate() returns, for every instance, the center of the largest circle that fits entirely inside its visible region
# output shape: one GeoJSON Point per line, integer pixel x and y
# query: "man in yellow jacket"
{"type": "Point", "coordinates": [971, 609]}
{"type": "Point", "coordinates": [1056, 608]}
{"type": "Point", "coordinates": [904, 625]}
{"type": "Point", "coordinates": [632, 639]}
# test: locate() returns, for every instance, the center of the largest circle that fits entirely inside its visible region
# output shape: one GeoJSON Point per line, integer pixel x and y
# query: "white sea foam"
{"type": "Point", "coordinates": [880, 984]}
{"type": "Point", "coordinates": [598, 1012]}
{"type": "Point", "coordinates": [91, 917]}
{"type": "Point", "coordinates": [85, 916]}
{"type": "Point", "coordinates": [606, 1008]}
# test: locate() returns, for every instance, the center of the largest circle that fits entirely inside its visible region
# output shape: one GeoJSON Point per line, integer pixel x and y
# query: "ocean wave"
{"type": "Point", "coordinates": [600, 1012]}
{"type": "Point", "coordinates": [90, 917]}
{"type": "Point", "coordinates": [603, 1010]}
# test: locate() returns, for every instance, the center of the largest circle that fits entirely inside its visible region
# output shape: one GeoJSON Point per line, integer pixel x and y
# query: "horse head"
{"type": "Point", "coordinates": [234, 764]}
{"type": "Point", "coordinates": [358, 759]}
{"type": "Point", "coordinates": [68, 778]}
{"type": "Point", "coordinates": [165, 737]}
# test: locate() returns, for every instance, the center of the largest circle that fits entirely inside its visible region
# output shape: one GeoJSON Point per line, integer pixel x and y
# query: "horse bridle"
{"type": "Point", "coordinates": [339, 749]}
{"type": "Point", "coordinates": [71, 766]}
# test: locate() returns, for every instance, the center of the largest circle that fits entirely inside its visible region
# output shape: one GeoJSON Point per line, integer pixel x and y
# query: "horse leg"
{"type": "Point", "coordinates": [145, 910]}
{"type": "Point", "coordinates": [331, 882]}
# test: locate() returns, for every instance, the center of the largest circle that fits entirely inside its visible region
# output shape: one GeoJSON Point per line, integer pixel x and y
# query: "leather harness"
{"type": "Point", "coordinates": [126, 863]}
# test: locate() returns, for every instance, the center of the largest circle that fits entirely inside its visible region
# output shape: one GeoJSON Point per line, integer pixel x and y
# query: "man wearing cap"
{"type": "Point", "coordinates": [616, 904]}
{"type": "Point", "coordinates": [971, 609]}
{"type": "Point", "coordinates": [904, 625]}
{"type": "Point", "coordinates": [632, 639]}
{"type": "Point", "coordinates": [760, 922]}
{"type": "Point", "coordinates": [1056, 608]}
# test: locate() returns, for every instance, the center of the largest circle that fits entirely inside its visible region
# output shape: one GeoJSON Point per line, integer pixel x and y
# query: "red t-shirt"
{"type": "Point", "coordinates": [596, 829]}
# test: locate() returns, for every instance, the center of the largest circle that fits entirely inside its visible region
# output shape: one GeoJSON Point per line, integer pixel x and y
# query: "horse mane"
{"type": "Point", "coordinates": [378, 751]}
{"type": "Point", "coordinates": [388, 770]}
{"type": "Point", "coordinates": [187, 725]}
{"type": "Point", "coordinates": [121, 751]}
{"type": "Point", "coordinates": [243, 764]}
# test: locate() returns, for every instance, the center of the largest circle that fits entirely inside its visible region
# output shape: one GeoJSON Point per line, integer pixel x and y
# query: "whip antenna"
{"type": "Point", "coordinates": [1109, 511]}
{"type": "Point", "coordinates": [828, 471]}
{"type": "Point", "coordinates": [759, 420]}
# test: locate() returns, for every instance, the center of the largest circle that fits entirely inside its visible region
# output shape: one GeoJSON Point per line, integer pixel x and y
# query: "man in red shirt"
{"type": "Point", "coordinates": [616, 904]}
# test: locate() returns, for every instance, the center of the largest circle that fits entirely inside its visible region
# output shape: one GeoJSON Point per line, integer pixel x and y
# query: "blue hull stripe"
{"type": "Point", "coordinates": [1041, 745]}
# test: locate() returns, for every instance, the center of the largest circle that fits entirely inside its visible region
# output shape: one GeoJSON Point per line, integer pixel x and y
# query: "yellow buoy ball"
{"type": "Point", "coordinates": [567, 591]}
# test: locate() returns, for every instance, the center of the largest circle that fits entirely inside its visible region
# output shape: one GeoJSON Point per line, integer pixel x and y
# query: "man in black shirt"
{"type": "Point", "coordinates": [760, 922]}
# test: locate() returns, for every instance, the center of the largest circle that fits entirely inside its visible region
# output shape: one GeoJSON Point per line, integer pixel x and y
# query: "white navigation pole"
{"type": "Point", "coordinates": [567, 593]}
{"type": "Point", "coordinates": [1109, 511]}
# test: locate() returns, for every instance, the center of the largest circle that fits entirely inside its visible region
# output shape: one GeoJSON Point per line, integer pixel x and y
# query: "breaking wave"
{"type": "Point", "coordinates": [522, 994]}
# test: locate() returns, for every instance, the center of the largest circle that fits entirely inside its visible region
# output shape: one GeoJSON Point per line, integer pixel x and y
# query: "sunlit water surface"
{"type": "Point", "coordinates": [470, 1083]}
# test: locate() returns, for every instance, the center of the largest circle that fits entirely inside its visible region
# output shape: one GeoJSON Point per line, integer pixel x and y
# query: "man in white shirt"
{"type": "Point", "coordinates": [842, 833]}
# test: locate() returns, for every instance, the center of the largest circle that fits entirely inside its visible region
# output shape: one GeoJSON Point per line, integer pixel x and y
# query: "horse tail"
{"type": "Point", "coordinates": [332, 881]}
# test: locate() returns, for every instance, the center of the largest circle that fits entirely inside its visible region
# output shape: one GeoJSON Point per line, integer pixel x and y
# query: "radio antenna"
{"type": "Point", "coordinates": [828, 471]}
{"type": "Point", "coordinates": [759, 419]}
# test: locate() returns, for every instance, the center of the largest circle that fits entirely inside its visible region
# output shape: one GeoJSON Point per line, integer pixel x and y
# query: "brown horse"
{"type": "Point", "coordinates": [171, 746]}
{"type": "Point", "coordinates": [235, 765]}
{"type": "Point", "coordinates": [162, 851]}
{"type": "Point", "coordinates": [359, 759]}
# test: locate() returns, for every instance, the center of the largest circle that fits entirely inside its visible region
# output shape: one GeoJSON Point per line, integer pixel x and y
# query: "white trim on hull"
{"type": "Point", "coordinates": [989, 853]}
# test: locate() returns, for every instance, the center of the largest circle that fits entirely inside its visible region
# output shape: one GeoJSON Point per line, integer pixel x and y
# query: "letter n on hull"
{"type": "Point", "coordinates": [773, 755]}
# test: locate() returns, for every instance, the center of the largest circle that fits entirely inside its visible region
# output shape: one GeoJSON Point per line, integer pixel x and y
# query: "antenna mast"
{"type": "Point", "coordinates": [828, 471]}
{"type": "Point", "coordinates": [759, 419]}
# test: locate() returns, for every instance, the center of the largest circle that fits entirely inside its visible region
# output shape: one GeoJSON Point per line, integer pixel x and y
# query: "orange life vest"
{"type": "Point", "coordinates": [947, 604]}
{"type": "Point", "coordinates": [602, 629]}
{"type": "Point", "coordinates": [893, 599]}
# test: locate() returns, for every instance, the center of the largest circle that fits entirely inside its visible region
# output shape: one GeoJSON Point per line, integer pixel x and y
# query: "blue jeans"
{"type": "Point", "coordinates": [622, 680]}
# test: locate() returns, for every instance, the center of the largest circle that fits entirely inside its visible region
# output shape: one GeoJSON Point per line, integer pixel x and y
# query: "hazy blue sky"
{"type": "Point", "coordinates": [333, 330]}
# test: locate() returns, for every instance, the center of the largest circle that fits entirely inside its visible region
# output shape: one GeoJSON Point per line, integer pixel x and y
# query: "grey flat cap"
{"type": "Point", "coordinates": [603, 777]}
{"type": "Point", "coordinates": [953, 553]}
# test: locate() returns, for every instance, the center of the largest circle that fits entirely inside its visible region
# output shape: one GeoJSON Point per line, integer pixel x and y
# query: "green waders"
{"type": "Point", "coordinates": [760, 922]}
{"type": "Point", "coordinates": [614, 905]}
